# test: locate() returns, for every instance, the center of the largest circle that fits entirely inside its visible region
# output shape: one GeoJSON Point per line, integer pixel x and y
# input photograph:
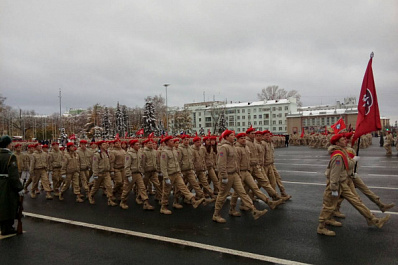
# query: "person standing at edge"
{"type": "Point", "coordinates": [10, 187]}
{"type": "Point", "coordinates": [228, 174]}
{"type": "Point", "coordinates": [172, 176]}
{"type": "Point", "coordinates": [337, 185]}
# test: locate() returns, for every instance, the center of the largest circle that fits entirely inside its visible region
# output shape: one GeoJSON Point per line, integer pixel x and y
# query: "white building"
{"type": "Point", "coordinates": [263, 115]}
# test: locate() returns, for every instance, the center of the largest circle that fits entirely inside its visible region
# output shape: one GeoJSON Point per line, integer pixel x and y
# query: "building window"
{"type": "Point", "coordinates": [323, 121]}
{"type": "Point", "coordinates": [200, 119]}
{"type": "Point", "coordinates": [266, 109]}
{"type": "Point", "coordinates": [266, 122]}
{"type": "Point", "coordinates": [273, 115]}
{"type": "Point", "coordinates": [327, 121]}
{"type": "Point", "coordinates": [260, 116]}
{"type": "Point", "coordinates": [273, 108]}
{"type": "Point", "coordinates": [286, 107]}
{"type": "Point", "coordinates": [208, 119]}
{"type": "Point", "coordinates": [208, 124]}
{"type": "Point", "coordinates": [238, 111]}
{"type": "Point", "coordinates": [200, 125]}
{"type": "Point", "coordinates": [279, 115]}
{"type": "Point", "coordinates": [200, 113]}
{"type": "Point", "coordinates": [243, 111]}
{"type": "Point", "coordinates": [254, 110]}
{"type": "Point", "coordinates": [243, 124]}
{"type": "Point", "coordinates": [254, 116]}
{"type": "Point", "coordinates": [231, 118]}
{"type": "Point", "coordinates": [274, 129]}
{"type": "Point", "coordinates": [280, 122]}
{"type": "Point", "coordinates": [238, 123]}
{"type": "Point", "coordinates": [231, 124]}
{"type": "Point", "coordinates": [280, 128]}
{"type": "Point", "coordinates": [266, 116]}
{"type": "Point", "coordinates": [260, 129]}
{"type": "Point", "coordinates": [286, 114]}
{"type": "Point", "coordinates": [238, 117]}
{"type": "Point", "coordinates": [273, 122]}
{"type": "Point", "coordinates": [243, 117]}
{"type": "Point", "coordinates": [260, 123]}
{"type": "Point", "coordinates": [254, 123]}
{"type": "Point", "coordinates": [280, 108]}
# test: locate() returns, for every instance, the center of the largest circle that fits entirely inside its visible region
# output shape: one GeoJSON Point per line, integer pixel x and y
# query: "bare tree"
{"type": "Point", "coordinates": [274, 93]}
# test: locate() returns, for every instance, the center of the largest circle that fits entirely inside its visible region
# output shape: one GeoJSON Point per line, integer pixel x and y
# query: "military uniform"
{"type": "Point", "coordinates": [38, 171]}
{"type": "Point", "coordinates": [388, 143]}
{"type": "Point", "coordinates": [117, 161]}
{"type": "Point", "coordinates": [199, 162]}
{"type": "Point", "coordinates": [10, 185]}
{"type": "Point", "coordinates": [85, 156]}
{"type": "Point", "coordinates": [55, 162]}
{"type": "Point", "coordinates": [70, 169]}
{"type": "Point", "coordinates": [149, 161]}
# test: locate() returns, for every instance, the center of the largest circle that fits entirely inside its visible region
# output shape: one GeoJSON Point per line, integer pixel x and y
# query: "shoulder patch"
{"type": "Point", "coordinates": [163, 156]}
{"type": "Point", "coordinates": [338, 162]}
{"type": "Point", "coordinates": [94, 158]}
{"type": "Point", "coordinates": [221, 153]}
{"type": "Point", "coordinates": [127, 158]}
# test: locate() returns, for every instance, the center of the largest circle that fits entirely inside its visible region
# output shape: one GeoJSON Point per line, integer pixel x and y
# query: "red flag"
{"type": "Point", "coordinates": [151, 135]}
{"type": "Point", "coordinates": [368, 108]}
{"type": "Point", "coordinates": [326, 129]}
{"type": "Point", "coordinates": [125, 135]}
{"type": "Point", "coordinates": [72, 137]}
{"type": "Point", "coordinates": [117, 136]}
{"type": "Point", "coordinates": [338, 126]}
{"type": "Point", "coordinates": [302, 133]}
{"type": "Point", "coordinates": [140, 132]}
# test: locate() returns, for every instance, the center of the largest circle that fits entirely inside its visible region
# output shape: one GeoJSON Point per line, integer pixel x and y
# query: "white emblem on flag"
{"type": "Point", "coordinates": [367, 101]}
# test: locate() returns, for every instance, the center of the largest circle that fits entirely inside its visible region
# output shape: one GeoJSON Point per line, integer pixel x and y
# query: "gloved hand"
{"type": "Point", "coordinates": [21, 193]}
{"type": "Point", "coordinates": [130, 179]}
{"type": "Point", "coordinates": [167, 181]}
{"type": "Point", "coordinates": [63, 176]}
{"type": "Point", "coordinates": [355, 175]}
{"type": "Point", "coordinates": [335, 193]}
{"type": "Point", "coordinates": [356, 158]}
{"type": "Point", "coordinates": [225, 181]}
{"type": "Point", "coordinates": [95, 177]}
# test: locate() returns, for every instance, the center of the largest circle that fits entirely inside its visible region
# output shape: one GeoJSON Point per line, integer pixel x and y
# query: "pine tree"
{"type": "Point", "coordinates": [149, 120]}
{"type": "Point", "coordinates": [106, 126]}
{"type": "Point", "coordinates": [120, 125]}
{"type": "Point", "coordinates": [222, 123]}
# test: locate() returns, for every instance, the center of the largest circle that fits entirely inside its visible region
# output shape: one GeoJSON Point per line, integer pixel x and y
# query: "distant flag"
{"type": "Point", "coordinates": [117, 136]}
{"type": "Point", "coordinates": [302, 132]}
{"type": "Point", "coordinates": [151, 135]}
{"type": "Point", "coordinates": [208, 132]}
{"type": "Point", "coordinates": [125, 135]}
{"type": "Point", "coordinates": [140, 132]}
{"type": "Point", "coordinates": [72, 137]}
{"type": "Point", "coordinates": [368, 108]}
{"type": "Point", "coordinates": [338, 126]}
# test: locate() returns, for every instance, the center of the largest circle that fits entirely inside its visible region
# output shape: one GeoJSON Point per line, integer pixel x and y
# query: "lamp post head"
{"type": "Point", "coordinates": [166, 85]}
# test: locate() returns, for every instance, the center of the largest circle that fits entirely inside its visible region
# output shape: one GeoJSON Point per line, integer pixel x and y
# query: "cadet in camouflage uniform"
{"type": "Point", "coordinates": [38, 169]}
{"type": "Point", "coordinates": [149, 162]}
{"type": "Point", "coordinates": [85, 165]}
{"type": "Point", "coordinates": [117, 160]}
{"type": "Point", "coordinates": [55, 158]}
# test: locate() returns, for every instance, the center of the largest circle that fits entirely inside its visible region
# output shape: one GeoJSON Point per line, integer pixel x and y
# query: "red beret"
{"type": "Point", "coordinates": [167, 138]}
{"type": "Point", "coordinates": [117, 140]}
{"type": "Point", "coordinates": [266, 131]}
{"type": "Point", "coordinates": [240, 135]}
{"type": "Point", "coordinates": [205, 138]}
{"type": "Point", "coordinates": [93, 143]}
{"type": "Point", "coordinates": [184, 136]}
{"type": "Point", "coordinates": [62, 148]}
{"type": "Point", "coordinates": [226, 133]}
{"type": "Point", "coordinates": [336, 137]}
{"type": "Point", "coordinates": [70, 144]}
{"type": "Point", "coordinates": [132, 142]}
{"type": "Point", "coordinates": [100, 142]}
{"type": "Point", "coordinates": [259, 132]}
{"type": "Point", "coordinates": [36, 145]}
{"type": "Point", "coordinates": [45, 146]}
{"type": "Point", "coordinates": [196, 138]}
{"type": "Point", "coordinates": [251, 129]}
{"type": "Point", "coordinates": [17, 145]}
{"type": "Point", "coordinates": [213, 138]}
{"type": "Point", "coordinates": [55, 143]}
{"type": "Point", "coordinates": [176, 140]}
{"type": "Point", "coordinates": [83, 141]}
{"type": "Point", "coordinates": [147, 141]}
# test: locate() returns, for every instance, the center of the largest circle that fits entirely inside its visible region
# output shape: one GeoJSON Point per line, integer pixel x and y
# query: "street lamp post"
{"type": "Point", "coordinates": [167, 110]}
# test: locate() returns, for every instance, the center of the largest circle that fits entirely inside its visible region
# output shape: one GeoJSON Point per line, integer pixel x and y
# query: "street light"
{"type": "Point", "coordinates": [167, 111]}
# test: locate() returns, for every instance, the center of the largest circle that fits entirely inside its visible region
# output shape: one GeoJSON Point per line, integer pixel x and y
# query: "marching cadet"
{"type": "Point", "coordinates": [271, 170]}
{"type": "Point", "coordinates": [28, 158]}
{"type": "Point", "coordinates": [337, 185]}
{"type": "Point", "coordinates": [117, 160]}
{"type": "Point", "coordinates": [20, 158]}
{"type": "Point", "coordinates": [355, 181]}
{"type": "Point", "coordinates": [185, 160]}
{"type": "Point", "coordinates": [101, 173]}
{"type": "Point", "coordinates": [10, 187]}
{"type": "Point", "coordinates": [388, 143]}
{"type": "Point", "coordinates": [228, 173]}
{"type": "Point", "coordinates": [243, 160]}
{"type": "Point", "coordinates": [134, 176]}
{"type": "Point", "coordinates": [38, 171]}
{"type": "Point", "coordinates": [255, 168]}
{"type": "Point", "coordinates": [210, 164]}
{"type": "Point", "coordinates": [85, 164]}
{"type": "Point", "coordinates": [55, 159]}
{"type": "Point", "coordinates": [149, 162]}
{"type": "Point", "coordinates": [70, 172]}
{"type": "Point", "coordinates": [199, 162]}
{"type": "Point", "coordinates": [172, 176]}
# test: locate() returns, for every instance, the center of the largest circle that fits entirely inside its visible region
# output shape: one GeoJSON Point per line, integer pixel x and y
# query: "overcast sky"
{"type": "Point", "coordinates": [103, 51]}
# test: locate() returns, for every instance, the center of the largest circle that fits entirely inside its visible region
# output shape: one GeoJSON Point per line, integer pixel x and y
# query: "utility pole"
{"type": "Point", "coordinates": [167, 110]}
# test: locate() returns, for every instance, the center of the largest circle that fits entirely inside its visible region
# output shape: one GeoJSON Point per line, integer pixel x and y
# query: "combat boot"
{"type": "Point", "coordinates": [234, 212]}
{"type": "Point", "coordinates": [218, 219]}
{"type": "Point", "coordinates": [91, 199]}
{"type": "Point", "coordinates": [56, 192]}
{"type": "Point", "coordinates": [60, 197]}
{"type": "Point", "coordinates": [33, 195]}
{"type": "Point", "coordinates": [177, 205]}
{"type": "Point", "coordinates": [257, 213]}
{"type": "Point", "coordinates": [379, 222]}
{"type": "Point", "coordinates": [78, 199]}
{"type": "Point", "coordinates": [273, 204]}
{"type": "Point", "coordinates": [123, 205]}
{"type": "Point", "coordinates": [148, 206]}
{"type": "Point", "coordinates": [49, 196]}
{"type": "Point", "coordinates": [286, 196]}
{"type": "Point", "coordinates": [208, 201]}
{"type": "Point", "coordinates": [338, 214]}
{"type": "Point", "coordinates": [384, 207]}
{"type": "Point", "coordinates": [164, 210]}
{"type": "Point", "coordinates": [333, 222]}
{"type": "Point", "coordinates": [138, 200]}
{"type": "Point", "coordinates": [322, 230]}
{"type": "Point", "coordinates": [111, 202]}
{"type": "Point", "coordinates": [244, 208]}
{"type": "Point", "coordinates": [196, 203]}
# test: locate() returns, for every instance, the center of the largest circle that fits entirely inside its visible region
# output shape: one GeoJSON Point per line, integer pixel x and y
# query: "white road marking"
{"type": "Point", "coordinates": [376, 211]}
{"type": "Point", "coordinates": [324, 184]}
{"type": "Point", "coordinates": [382, 175]}
{"type": "Point", "coordinates": [169, 240]}
{"type": "Point", "coordinates": [295, 171]}
{"type": "Point", "coordinates": [312, 165]}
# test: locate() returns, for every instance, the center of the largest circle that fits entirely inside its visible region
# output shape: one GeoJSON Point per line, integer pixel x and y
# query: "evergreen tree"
{"type": "Point", "coordinates": [120, 121]}
{"type": "Point", "coordinates": [222, 123]}
{"type": "Point", "coordinates": [106, 125]}
{"type": "Point", "coordinates": [148, 119]}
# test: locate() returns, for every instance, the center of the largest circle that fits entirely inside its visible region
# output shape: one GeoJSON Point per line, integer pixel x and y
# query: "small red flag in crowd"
{"type": "Point", "coordinates": [338, 126]}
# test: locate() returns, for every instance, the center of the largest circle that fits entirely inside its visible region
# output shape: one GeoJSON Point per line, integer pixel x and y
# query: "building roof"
{"type": "Point", "coordinates": [325, 112]}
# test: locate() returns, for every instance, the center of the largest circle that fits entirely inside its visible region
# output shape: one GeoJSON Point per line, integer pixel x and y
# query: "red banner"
{"type": "Point", "coordinates": [338, 126]}
{"type": "Point", "coordinates": [368, 108]}
{"type": "Point", "coordinates": [140, 132]}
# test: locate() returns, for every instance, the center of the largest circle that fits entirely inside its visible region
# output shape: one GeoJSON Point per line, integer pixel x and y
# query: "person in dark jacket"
{"type": "Point", "coordinates": [10, 187]}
